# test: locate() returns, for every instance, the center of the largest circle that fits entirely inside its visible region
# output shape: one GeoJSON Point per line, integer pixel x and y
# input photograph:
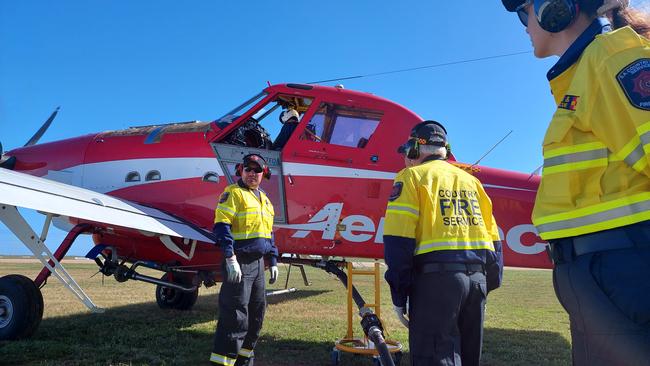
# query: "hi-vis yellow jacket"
{"type": "Point", "coordinates": [596, 172]}
{"type": "Point", "coordinates": [442, 207]}
{"type": "Point", "coordinates": [244, 223]}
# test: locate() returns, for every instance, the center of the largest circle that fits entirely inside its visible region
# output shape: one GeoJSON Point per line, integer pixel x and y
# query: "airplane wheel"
{"type": "Point", "coordinates": [21, 307]}
{"type": "Point", "coordinates": [170, 298]}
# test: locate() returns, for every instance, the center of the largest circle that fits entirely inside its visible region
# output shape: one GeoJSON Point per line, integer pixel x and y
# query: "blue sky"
{"type": "Point", "coordinates": [115, 64]}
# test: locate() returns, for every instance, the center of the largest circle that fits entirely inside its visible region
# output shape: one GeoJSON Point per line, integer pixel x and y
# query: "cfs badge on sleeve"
{"type": "Point", "coordinates": [224, 197]}
{"type": "Point", "coordinates": [635, 81]}
{"type": "Point", "coordinates": [396, 192]}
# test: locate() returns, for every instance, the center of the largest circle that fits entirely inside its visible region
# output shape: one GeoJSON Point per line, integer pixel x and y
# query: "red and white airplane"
{"type": "Point", "coordinates": [147, 194]}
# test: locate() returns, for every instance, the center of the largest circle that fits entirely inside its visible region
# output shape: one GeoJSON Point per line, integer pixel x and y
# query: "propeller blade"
{"type": "Point", "coordinates": [37, 136]}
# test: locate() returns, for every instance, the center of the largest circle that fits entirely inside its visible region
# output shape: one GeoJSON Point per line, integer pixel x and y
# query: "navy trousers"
{"type": "Point", "coordinates": [241, 314]}
{"type": "Point", "coordinates": [607, 296]}
{"type": "Point", "coordinates": [446, 318]}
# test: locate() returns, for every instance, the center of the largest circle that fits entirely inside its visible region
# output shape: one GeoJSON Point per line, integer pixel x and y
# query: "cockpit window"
{"type": "Point", "coordinates": [271, 124]}
{"type": "Point", "coordinates": [340, 125]}
{"type": "Point", "coordinates": [232, 115]}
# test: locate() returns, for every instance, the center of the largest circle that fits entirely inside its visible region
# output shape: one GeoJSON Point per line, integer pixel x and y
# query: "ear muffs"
{"type": "Point", "coordinates": [413, 146]}
{"type": "Point", "coordinates": [555, 15]}
{"type": "Point", "coordinates": [412, 149]}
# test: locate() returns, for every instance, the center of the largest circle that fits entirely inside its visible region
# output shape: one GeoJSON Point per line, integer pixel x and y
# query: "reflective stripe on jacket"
{"type": "Point", "coordinates": [596, 147]}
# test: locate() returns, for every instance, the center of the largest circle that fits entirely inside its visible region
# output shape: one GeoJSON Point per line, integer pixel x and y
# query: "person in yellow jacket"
{"type": "Point", "coordinates": [440, 243]}
{"type": "Point", "coordinates": [593, 203]}
{"type": "Point", "coordinates": [244, 230]}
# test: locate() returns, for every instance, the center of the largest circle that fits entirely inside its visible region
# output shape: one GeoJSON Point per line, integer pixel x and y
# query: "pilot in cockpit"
{"type": "Point", "coordinates": [289, 118]}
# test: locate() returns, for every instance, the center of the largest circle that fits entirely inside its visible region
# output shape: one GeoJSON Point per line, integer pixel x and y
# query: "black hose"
{"type": "Point", "coordinates": [369, 321]}
{"type": "Point", "coordinates": [377, 338]}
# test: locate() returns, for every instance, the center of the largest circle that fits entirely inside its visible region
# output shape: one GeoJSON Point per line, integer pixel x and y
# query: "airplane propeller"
{"type": "Point", "coordinates": [8, 162]}
{"type": "Point", "coordinates": [37, 136]}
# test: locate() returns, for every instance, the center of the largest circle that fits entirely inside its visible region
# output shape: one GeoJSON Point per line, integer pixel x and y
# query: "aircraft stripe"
{"type": "Point", "coordinates": [506, 187]}
{"type": "Point", "coordinates": [109, 176]}
{"type": "Point", "coordinates": [311, 170]}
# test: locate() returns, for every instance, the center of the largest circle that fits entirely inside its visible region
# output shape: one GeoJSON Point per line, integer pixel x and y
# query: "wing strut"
{"type": "Point", "coordinates": [10, 216]}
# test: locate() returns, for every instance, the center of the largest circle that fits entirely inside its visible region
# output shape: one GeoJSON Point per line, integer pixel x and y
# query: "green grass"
{"type": "Point", "coordinates": [524, 324]}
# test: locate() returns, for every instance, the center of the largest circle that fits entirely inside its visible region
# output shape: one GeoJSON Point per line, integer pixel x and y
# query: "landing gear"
{"type": "Point", "coordinates": [171, 298]}
{"type": "Point", "coordinates": [21, 307]}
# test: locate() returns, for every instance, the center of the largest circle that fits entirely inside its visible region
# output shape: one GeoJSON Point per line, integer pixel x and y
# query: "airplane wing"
{"type": "Point", "coordinates": [24, 190]}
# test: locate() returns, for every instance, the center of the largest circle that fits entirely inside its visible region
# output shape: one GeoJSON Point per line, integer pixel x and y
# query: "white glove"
{"type": "Point", "coordinates": [233, 269]}
{"type": "Point", "coordinates": [399, 311]}
{"type": "Point", "coordinates": [274, 274]}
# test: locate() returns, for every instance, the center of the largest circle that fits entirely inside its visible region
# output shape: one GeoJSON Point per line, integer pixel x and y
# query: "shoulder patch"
{"type": "Point", "coordinates": [224, 197]}
{"type": "Point", "coordinates": [569, 102]}
{"type": "Point", "coordinates": [396, 192]}
{"type": "Point", "coordinates": [635, 81]}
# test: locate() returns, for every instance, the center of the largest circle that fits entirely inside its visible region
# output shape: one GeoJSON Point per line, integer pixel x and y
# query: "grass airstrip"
{"type": "Point", "coordinates": [525, 325]}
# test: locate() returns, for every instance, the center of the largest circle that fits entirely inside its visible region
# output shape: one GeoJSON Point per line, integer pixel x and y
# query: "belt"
{"type": "Point", "coordinates": [626, 237]}
{"type": "Point", "coordinates": [450, 267]}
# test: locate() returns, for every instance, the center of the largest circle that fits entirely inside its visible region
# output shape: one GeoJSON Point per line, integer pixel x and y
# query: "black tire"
{"type": "Point", "coordinates": [21, 307]}
{"type": "Point", "coordinates": [170, 298]}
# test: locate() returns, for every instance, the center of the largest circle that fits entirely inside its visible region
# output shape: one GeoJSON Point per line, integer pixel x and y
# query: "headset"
{"type": "Point", "coordinates": [412, 150]}
{"type": "Point", "coordinates": [555, 15]}
{"type": "Point", "coordinates": [266, 172]}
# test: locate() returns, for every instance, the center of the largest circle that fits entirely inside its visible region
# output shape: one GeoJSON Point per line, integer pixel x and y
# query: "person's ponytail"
{"type": "Point", "coordinates": [638, 20]}
{"type": "Point", "coordinates": [619, 14]}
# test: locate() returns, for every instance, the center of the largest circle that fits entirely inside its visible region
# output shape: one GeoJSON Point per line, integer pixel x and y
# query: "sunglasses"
{"type": "Point", "coordinates": [256, 169]}
{"type": "Point", "coordinates": [522, 13]}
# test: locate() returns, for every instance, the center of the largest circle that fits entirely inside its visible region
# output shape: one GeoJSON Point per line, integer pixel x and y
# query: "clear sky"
{"type": "Point", "coordinates": [115, 64]}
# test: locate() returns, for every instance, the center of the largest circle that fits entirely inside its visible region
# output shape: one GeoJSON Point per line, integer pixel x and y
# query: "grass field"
{"type": "Point", "coordinates": [525, 325]}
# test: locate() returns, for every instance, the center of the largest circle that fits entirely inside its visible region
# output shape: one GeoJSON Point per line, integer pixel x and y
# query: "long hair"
{"type": "Point", "coordinates": [636, 19]}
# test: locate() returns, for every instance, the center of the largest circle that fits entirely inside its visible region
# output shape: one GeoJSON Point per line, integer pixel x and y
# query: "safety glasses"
{"type": "Point", "coordinates": [522, 13]}
{"type": "Point", "coordinates": [256, 169]}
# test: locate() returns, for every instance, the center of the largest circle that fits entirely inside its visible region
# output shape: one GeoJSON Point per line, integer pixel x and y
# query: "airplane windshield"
{"type": "Point", "coordinates": [235, 113]}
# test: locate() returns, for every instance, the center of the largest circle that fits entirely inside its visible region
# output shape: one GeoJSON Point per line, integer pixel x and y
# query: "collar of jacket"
{"type": "Point", "coordinates": [431, 158]}
{"type": "Point", "coordinates": [598, 26]}
{"type": "Point", "coordinates": [241, 184]}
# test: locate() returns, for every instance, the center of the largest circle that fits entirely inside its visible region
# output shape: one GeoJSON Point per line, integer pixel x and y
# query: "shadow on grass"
{"type": "Point", "coordinates": [501, 347]}
{"type": "Point", "coordinates": [524, 347]}
{"type": "Point", "coordinates": [139, 334]}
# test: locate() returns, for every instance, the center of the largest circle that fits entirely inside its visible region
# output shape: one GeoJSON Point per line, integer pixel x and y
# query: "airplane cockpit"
{"type": "Point", "coordinates": [262, 129]}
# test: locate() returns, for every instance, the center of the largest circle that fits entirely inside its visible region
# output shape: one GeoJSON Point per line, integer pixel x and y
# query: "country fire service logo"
{"type": "Point", "coordinates": [635, 82]}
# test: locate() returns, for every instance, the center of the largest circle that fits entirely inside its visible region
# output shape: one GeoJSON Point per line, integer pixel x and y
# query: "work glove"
{"type": "Point", "coordinates": [400, 311]}
{"type": "Point", "coordinates": [274, 274]}
{"type": "Point", "coordinates": [233, 269]}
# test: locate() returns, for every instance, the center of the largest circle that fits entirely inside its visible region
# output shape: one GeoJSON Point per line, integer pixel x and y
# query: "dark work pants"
{"type": "Point", "coordinates": [446, 318]}
{"type": "Point", "coordinates": [607, 296]}
{"type": "Point", "coordinates": [241, 313]}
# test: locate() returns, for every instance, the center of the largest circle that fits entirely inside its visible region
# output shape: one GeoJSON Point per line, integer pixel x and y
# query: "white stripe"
{"type": "Point", "coordinates": [506, 187]}
{"type": "Point", "coordinates": [311, 170]}
{"type": "Point", "coordinates": [109, 176]}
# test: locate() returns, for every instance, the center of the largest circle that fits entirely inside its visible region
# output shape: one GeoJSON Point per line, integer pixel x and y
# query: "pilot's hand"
{"type": "Point", "coordinates": [274, 274]}
{"type": "Point", "coordinates": [400, 311]}
{"type": "Point", "coordinates": [233, 269]}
